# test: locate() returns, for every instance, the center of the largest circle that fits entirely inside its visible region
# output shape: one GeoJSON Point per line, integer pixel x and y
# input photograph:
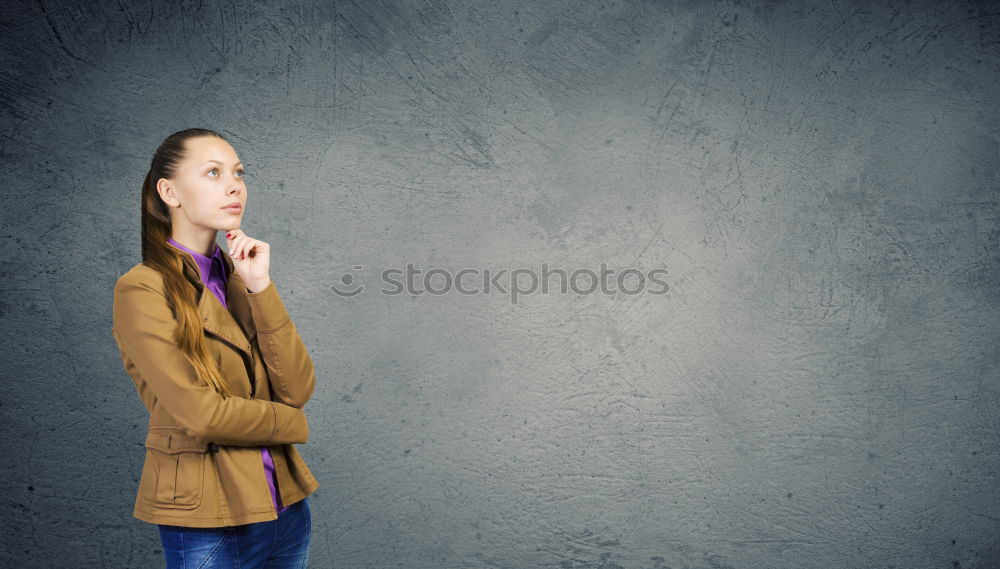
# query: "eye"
{"type": "Point", "coordinates": [241, 173]}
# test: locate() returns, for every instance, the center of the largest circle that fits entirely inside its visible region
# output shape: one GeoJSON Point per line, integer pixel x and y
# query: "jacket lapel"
{"type": "Point", "coordinates": [236, 298]}
{"type": "Point", "coordinates": [234, 325]}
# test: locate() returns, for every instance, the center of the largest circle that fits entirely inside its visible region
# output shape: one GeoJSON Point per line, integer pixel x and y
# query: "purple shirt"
{"type": "Point", "coordinates": [213, 275]}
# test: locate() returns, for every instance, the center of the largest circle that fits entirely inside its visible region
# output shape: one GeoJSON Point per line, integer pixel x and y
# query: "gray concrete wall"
{"type": "Point", "coordinates": [818, 388]}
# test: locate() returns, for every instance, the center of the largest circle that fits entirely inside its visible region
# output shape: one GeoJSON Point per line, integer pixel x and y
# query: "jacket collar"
{"type": "Point", "coordinates": [235, 324]}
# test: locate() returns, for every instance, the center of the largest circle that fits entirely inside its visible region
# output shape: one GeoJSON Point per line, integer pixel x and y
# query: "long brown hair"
{"type": "Point", "coordinates": [158, 254]}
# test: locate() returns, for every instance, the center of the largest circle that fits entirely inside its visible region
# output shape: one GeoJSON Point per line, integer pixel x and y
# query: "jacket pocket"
{"type": "Point", "coordinates": [177, 462]}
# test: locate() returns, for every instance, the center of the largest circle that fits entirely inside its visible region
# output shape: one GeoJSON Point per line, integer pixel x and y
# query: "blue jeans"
{"type": "Point", "coordinates": [283, 542]}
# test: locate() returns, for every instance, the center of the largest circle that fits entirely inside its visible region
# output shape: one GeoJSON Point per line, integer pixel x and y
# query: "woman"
{"type": "Point", "coordinates": [220, 367]}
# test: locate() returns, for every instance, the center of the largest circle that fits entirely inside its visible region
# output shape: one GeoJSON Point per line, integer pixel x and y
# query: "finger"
{"type": "Point", "coordinates": [246, 246]}
{"type": "Point", "coordinates": [251, 248]}
{"type": "Point", "coordinates": [235, 244]}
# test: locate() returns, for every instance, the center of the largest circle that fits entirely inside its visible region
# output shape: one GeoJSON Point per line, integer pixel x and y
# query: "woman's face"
{"type": "Point", "coordinates": [208, 178]}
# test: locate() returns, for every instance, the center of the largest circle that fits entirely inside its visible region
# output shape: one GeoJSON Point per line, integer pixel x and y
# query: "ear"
{"type": "Point", "coordinates": [167, 193]}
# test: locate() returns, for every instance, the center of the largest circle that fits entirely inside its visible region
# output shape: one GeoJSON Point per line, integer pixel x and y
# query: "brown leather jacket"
{"type": "Point", "coordinates": [203, 464]}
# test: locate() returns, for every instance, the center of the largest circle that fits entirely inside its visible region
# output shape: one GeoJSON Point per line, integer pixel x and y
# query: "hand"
{"type": "Point", "coordinates": [251, 259]}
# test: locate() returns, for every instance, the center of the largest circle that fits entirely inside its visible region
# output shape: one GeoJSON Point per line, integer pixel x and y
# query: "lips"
{"type": "Point", "coordinates": [233, 208]}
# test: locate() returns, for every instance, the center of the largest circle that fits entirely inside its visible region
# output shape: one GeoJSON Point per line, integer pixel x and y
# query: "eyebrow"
{"type": "Point", "coordinates": [217, 162]}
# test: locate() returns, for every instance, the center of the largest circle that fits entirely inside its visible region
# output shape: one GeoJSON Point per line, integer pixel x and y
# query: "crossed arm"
{"type": "Point", "coordinates": [143, 326]}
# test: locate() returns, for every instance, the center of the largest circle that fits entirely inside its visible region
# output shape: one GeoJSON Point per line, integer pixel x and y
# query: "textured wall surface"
{"type": "Point", "coordinates": [818, 388]}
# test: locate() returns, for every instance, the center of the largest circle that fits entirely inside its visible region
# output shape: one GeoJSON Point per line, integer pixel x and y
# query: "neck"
{"type": "Point", "coordinates": [204, 244]}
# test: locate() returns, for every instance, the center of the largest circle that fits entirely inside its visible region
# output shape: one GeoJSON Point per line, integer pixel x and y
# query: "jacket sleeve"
{"type": "Point", "coordinates": [143, 326]}
{"type": "Point", "coordinates": [289, 367]}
